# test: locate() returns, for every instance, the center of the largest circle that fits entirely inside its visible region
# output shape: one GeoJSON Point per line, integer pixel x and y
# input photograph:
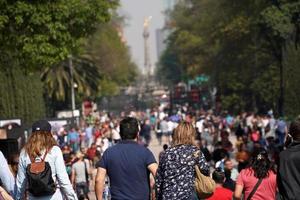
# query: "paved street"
{"type": "Point", "coordinates": [155, 147]}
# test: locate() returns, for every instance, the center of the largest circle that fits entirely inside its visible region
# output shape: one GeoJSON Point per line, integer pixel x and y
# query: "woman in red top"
{"type": "Point", "coordinates": [260, 168]}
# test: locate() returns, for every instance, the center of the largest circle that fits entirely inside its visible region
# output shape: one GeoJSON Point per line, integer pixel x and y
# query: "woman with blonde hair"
{"type": "Point", "coordinates": [41, 155]}
{"type": "Point", "coordinates": [176, 172]}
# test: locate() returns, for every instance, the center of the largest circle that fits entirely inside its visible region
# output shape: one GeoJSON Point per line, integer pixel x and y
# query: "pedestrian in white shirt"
{"type": "Point", "coordinates": [41, 146]}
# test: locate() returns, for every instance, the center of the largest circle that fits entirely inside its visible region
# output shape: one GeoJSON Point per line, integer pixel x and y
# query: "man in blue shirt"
{"type": "Point", "coordinates": [281, 131]}
{"type": "Point", "coordinates": [73, 139]}
{"type": "Point", "coordinates": [128, 166]}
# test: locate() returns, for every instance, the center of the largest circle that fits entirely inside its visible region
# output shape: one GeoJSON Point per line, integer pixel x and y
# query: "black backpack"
{"type": "Point", "coordinates": [39, 176]}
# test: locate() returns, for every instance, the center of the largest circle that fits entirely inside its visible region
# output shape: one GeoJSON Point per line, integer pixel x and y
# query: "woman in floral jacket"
{"type": "Point", "coordinates": [176, 172]}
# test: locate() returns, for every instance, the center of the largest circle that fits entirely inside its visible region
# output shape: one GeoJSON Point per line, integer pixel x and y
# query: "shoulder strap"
{"type": "Point", "coordinates": [254, 189]}
{"type": "Point", "coordinates": [47, 151]}
{"type": "Point", "coordinates": [86, 171]}
{"type": "Point", "coordinates": [197, 154]}
{"type": "Point", "coordinates": [43, 159]}
{"type": "Point", "coordinates": [32, 160]}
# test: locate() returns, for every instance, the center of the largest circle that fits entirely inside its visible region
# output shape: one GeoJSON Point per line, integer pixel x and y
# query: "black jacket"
{"type": "Point", "coordinates": [288, 177]}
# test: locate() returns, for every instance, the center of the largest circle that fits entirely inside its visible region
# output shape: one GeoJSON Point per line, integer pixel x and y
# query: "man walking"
{"type": "Point", "coordinates": [80, 176]}
{"type": "Point", "coordinates": [128, 166]}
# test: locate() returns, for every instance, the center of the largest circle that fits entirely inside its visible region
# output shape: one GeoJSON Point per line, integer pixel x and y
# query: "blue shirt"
{"type": "Point", "coordinates": [73, 137]}
{"type": "Point", "coordinates": [281, 125]}
{"type": "Point", "coordinates": [6, 176]}
{"type": "Point", "coordinates": [127, 167]}
{"type": "Point", "coordinates": [89, 132]}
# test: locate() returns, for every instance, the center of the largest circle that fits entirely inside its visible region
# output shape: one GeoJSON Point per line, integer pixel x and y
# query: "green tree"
{"type": "Point", "coordinates": [21, 95]}
{"type": "Point", "coordinates": [169, 71]}
{"type": "Point", "coordinates": [44, 33]}
{"type": "Point", "coordinates": [240, 44]}
{"type": "Point", "coordinates": [281, 22]}
{"type": "Point", "coordinates": [57, 79]}
{"type": "Point", "coordinates": [111, 57]}
{"type": "Point", "coordinates": [38, 36]}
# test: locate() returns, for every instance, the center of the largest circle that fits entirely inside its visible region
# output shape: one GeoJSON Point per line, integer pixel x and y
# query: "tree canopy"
{"type": "Point", "coordinates": [43, 33]}
{"type": "Point", "coordinates": [239, 44]}
{"type": "Point", "coordinates": [37, 38]}
{"type": "Point", "coordinates": [111, 57]}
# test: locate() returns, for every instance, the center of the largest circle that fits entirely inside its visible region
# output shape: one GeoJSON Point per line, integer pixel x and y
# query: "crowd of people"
{"type": "Point", "coordinates": [248, 156]}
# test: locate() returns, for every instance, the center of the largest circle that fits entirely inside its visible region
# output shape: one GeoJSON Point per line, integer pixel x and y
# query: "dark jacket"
{"type": "Point", "coordinates": [288, 178]}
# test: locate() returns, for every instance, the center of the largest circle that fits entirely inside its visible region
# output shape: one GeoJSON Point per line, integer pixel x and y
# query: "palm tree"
{"type": "Point", "coordinates": [57, 78]}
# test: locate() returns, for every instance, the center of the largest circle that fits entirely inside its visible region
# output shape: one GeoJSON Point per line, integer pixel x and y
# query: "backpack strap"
{"type": "Point", "coordinates": [32, 160]}
{"type": "Point", "coordinates": [47, 151]}
{"type": "Point", "coordinates": [43, 159]}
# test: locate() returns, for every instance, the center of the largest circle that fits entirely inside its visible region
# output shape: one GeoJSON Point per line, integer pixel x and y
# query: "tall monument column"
{"type": "Point", "coordinates": [146, 34]}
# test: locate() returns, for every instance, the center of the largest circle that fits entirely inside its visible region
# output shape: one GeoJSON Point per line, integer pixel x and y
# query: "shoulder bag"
{"type": "Point", "coordinates": [204, 185]}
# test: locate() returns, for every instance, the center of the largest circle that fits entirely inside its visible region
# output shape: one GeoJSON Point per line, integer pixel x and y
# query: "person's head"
{"type": "Point", "coordinates": [245, 138]}
{"type": "Point", "coordinates": [40, 139]}
{"type": "Point", "coordinates": [83, 150]}
{"type": "Point", "coordinates": [224, 135]}
{"type": "Point", "coordinates": [294, 132]}
{"type": "Point", "coordinates": [165, 146]}
{"type": "Point", "coordinates": [218, 176]}
{"type": "Point", "coordinates": [184, 133]}
{"type": "Point", "coordinates": [228, 164]}
{"type": "Point", "coordinates": [79, 155]}
{"type": "Point", "coordinates": [227, 173]}
{"type": "Point", "coordinates": [129, 128]}
{"type": "Point", "coordinates": [224, 155]}
{"type": "Point", "coordinates": [218, 145]}
{"type": "Point", "coordinates": [72, 156]}
{"type": "Point", "coordinates": [242, 147]}
{"type": "Point", "coordinates": [203, 143]}
{"type": "Point", "coordinates": [261, 163]}
{"type": "Point", "coordinates": [14, 162]}
{"type": "Point", "coordinates": [93, 145]}
{"type": "Point", "coordinates": [65, 148]}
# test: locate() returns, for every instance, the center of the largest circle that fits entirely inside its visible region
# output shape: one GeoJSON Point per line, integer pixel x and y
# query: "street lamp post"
{"type": "Point", "coordinates": [72, 85]}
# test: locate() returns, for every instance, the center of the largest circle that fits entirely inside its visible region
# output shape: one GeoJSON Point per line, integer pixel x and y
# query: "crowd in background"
{"type": "Point", "coordinates": [227, 141]}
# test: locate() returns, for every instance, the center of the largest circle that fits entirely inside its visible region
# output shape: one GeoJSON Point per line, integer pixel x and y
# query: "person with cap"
{"type": "Point", "coordinates": [41, 146]}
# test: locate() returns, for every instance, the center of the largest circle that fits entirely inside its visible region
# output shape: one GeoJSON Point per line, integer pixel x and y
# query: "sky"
{"type": "Point", "coordinates": [136, 11]}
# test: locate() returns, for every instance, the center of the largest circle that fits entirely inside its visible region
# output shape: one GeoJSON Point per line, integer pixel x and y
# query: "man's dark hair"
{"type": "Point", "coordinates": [129, 128]}
{"type": "Point", "coordinates": [218, 176]}
{"type": "Point", "coordinates": [294, 130]}
{"type": "Point", "coordinates": [165, 146]}
{"type": "Point", "coordinates": [227, 173]}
